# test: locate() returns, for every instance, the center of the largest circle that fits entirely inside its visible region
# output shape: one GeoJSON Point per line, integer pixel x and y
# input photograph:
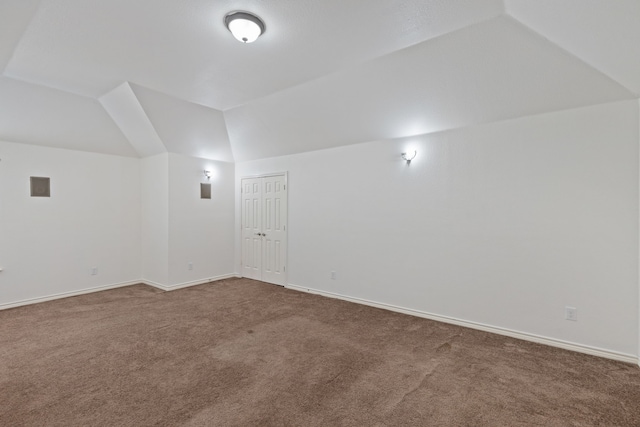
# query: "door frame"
{"type": "Point", "coordinates": [286, 254]}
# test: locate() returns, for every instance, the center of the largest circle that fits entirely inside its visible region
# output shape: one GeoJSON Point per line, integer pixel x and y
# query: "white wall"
{"type": "Point", "coordinates": [133, 219]}
{"type": "Point", "coordinates": [154, 221]}
{"type": "Point", "coordinates": [92, 219]}
{"type": "Point", "coordinates": [201, 231]}
{"type": "Point", "coordinates": [502, 224]}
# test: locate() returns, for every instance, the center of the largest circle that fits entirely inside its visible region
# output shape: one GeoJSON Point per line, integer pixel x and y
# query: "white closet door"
{"type": "Point", "coordinates": [264, 229]}
{"type": "Point", "coordinates": [274, 220]}
{"type": "Point", "coordinates": [252, 228]}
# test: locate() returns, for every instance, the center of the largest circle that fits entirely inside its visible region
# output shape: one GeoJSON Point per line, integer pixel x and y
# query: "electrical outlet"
{"type": "Point", "coordinates": [190, 266]}
{"type": "Point", "coordinates": [571, 313]}
{"type": "Point", "coordinates": [333, 275]}
{"type": "Point", "coordinates": [94, 271]}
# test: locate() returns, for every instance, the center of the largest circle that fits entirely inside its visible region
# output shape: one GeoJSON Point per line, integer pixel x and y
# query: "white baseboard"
{"type": "Point", "coordinates": [594, 351]}
{"type": "Point", "coordinates": [188, 284]}
{"type": "Point", "coordinates": [52, 297]}
{"type": "Point", "coordinates": [66, 294]}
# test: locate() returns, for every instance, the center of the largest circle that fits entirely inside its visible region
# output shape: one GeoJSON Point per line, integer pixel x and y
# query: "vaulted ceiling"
{"type": "Point", "coordinates": [141, 77]}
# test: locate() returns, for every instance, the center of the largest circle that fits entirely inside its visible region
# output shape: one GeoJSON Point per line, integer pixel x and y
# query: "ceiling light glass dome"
{"type": "Point", "coordinates": [245, 27]}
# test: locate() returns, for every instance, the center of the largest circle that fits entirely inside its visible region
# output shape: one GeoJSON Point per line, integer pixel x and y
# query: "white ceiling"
{"type": "Point", "coordinates": [138, 77]}
{"type": "Point", "coordinates": [604, 34]}
{"type": "Point", "coordinates": [40, 115]}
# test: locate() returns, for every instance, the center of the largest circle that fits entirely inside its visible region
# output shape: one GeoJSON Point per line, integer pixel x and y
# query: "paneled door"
{"type": "Point", "coordinates": [264, 228]}
{"type": "Point", "coordinates": [252, 228]}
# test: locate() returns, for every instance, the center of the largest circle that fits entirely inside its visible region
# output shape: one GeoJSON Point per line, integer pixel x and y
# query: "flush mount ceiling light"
{"type": "Point", "coordinates": [245, 26]}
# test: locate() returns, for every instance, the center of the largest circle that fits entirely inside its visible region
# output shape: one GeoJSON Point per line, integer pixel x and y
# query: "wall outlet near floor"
{"type": "Point", "coordinates": [333, 275]}
{"type": "Point", "coordinates": [571, 313]}
{"type": "Point", "coordinates": [94, 271]}
{"type": "Point", "coordinates": [190, 266]}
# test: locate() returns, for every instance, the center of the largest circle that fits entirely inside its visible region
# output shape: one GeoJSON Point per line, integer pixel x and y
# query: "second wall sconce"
{"type": "Point", "coordinates": [408, 156]}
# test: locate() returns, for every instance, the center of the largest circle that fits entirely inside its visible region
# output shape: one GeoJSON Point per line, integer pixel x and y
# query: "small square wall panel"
{"type": "Point", "coordinates": [40, 187]}
{"type": "Point", "coordinates": [205, 191]}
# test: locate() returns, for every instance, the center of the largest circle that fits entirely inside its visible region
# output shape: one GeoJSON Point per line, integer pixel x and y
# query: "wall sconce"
{"type": "Point", "coordinates": [207, 174]}
{"type": "Point", "coordinates": [409, 156]}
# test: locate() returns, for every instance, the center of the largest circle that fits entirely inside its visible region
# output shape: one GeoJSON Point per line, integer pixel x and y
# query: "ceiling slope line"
{"type": "Point", "coordinates": [39, 115]}
{"type": "Point", "coordinates": [234, 155]}
{"type": "Point", "coordinates": [443, 131]}
{"type": "Point", "coordinates": [7, 50]}
{"type": "Point", "coordinates": [364, 62]}
{"type": "Point", "coordinates": [124, 108]}
{"type": "Point", "coordinates": [184, 127]}
{"type": "Point", "coordinates": [484, 73]}
{"type": "Point", "coordinates": [526, 27]}
{"type": "Point", "coordinates": [482, 124]}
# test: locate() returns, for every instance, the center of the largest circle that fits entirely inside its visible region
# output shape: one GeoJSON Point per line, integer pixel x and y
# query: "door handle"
{"type": "Point", "coordinates": [260, 234]}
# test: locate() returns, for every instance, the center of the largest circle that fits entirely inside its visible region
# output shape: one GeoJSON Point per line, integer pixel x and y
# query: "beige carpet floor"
{"type": "Point", "coordinates": [240, 353]}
